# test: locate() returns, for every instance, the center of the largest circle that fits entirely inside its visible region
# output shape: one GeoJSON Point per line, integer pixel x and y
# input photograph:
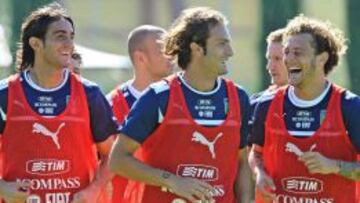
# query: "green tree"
{"type": "Point", "coordinates": [353, 59]}
{"type": "Point", "coordinates": [275, 14]}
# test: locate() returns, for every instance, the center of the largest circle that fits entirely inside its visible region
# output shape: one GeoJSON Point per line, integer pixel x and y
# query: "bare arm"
{"type": "Point", "coordinates": [264, 183]}
{"type": "Point", "coordinates": [349, 170]}
{"type": "Point", "coordinates": [14, 191]}
{"type": "Point", "coordinates": [123, 163]}
{"type": "Point", "coordinates": [93, 191]}
{"type": "Point", "coordinates": [317, 163]}
{"type": "Point", "coordinates": [243, 189]}
{"type": "Point", "coordinates": [256, 159]}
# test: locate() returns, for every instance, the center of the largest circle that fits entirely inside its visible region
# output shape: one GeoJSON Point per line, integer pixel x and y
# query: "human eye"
{"type": "Point", "coordinates": [61, 37]}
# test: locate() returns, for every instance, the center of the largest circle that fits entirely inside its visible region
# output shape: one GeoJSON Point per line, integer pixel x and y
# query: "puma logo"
{"type": "Point", "coordinates": [200, 138]}
{"type": "Point", "coordinates": [39, 128]}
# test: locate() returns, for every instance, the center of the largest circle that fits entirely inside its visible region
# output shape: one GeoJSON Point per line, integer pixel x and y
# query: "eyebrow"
{"type": "Point", "coordinates": [223, 40]}
{"type": "Point", "coordinates": [63, 32]}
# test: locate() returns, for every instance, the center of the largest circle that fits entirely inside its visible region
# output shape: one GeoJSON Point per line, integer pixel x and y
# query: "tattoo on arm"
{"type": "Point", "coordinates": [350, 170]}
{"type": "Point", "coordinates": [165, 175]}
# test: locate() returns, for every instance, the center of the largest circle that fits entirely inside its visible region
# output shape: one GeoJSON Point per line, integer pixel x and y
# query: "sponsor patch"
{"type": "Point", "coordinates": [47, 166]}
{"type": "Point", "coordinates": [198, 171]}
{"type": "Point", "coordinates": [302, 185]}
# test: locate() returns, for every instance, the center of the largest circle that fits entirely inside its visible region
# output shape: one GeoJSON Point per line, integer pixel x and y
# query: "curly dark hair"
{"type": "Point", "coordinates": [36, 25]}
{"type": "Point", "coordinates": [193, 25]}
{"type": "Point", "coordinates": [326, 38]}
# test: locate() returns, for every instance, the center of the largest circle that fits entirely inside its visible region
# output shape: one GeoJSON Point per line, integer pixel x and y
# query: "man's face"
{"type": "Point", "coordinates": [58, 44]}
{"type": "Point", "coordinates": [275, 64]}
{"type": "Point", "coordinates": [300, 60]}
{"type": "Point", "coordinates": [158, 64]}
{"type": "Point", "coordinates": [218, 50]}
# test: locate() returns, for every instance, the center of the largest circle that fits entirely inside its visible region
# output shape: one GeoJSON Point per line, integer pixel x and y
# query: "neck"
{"type": "Point", "coordinates": [310, 91]}
{"type": "Point", "coordinates": [46, 77]}
{"type": "Point", "coordinates": [198, 79]}
{"type": "Point", "coordinates": [142, 80]}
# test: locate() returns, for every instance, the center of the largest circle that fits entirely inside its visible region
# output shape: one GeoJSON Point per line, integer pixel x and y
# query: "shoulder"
{"type": "Point", "coordinates": [350, 100]}
{"type": "Point", "coordinates": [256, 98]}
{"type": "Point", "coordinates": [4, 85]}
{"type": "Point", "coordinates": [161, 87]}
{"type": "Point", "coordinates": [122, 89]}
{"type": "Point", "coordinates": [90, 87]}
{"type": "Point", "coordinates": [262, 103]}
{"type": "Point", "coordinates": [241, 91]}
{"type": "Point", "coordinates": [243, 95]}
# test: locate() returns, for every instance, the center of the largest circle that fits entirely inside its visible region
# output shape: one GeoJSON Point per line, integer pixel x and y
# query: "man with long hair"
{"type": "Point", "coordinates": [51, 119]}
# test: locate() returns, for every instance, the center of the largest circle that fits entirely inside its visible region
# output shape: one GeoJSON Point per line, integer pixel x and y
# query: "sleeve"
{"type": "Point", "coordinates": [3, 109]}
{"type": "Point", "coordinates": [109, 97]}
{"type": "Point", "coordinates": [351, 116]}
{"type": "Point", "coordinates": [245, 113]}
{"type": "Point", "coordinates": [254, 99]}
{"type": "Point", "coordinates": [143, 117]}
{"type": "Point", "coordinates": [257, 135]}
{"type": "Point", "coordinates": [102, 121]}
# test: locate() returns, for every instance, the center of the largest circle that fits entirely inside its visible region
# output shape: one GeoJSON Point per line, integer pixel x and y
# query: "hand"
{"type": "Point", "coordinates": [191, 189]}
{"type": "Point", "coordinates": [14, 192]}
{"type": "Point", "coordinates": [265, 186]}
{"type": "Point", "coordinates": [317, 163]}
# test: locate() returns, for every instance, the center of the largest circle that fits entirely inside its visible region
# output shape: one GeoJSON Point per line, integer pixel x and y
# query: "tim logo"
{"type": "Point", "coordinates": [41, 129]}
{"type": "Point", "coordinates": [200, 138]}
{"type": "Point", "coordinates": [302, 185]}
{"type": "Point", "coordinates": [47, 166]}
{"type": "Point", "coordinates": [198, 171]}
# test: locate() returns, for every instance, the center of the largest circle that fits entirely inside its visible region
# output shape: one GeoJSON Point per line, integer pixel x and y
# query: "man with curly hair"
{"type": "Point", "coordinates": [189, 130]}
{"type": "Point", "coordinates": [306, 136]}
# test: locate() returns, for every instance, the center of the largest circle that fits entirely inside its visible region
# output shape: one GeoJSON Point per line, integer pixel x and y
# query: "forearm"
{"type": "Point", "coordinates": [133, 169]}
{"type": "Point", "coordinates": [122, 162]}
{"type": "Point", "coordinates": [103, 174]}
{"type": "Point", "coordinates": [243, 189]}
{"type": "Point", "coordinates": [256, 162]}
{"type": "Point", "coordinates": [350, 170]}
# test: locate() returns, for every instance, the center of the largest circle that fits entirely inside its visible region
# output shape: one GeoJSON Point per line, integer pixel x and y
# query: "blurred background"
{"type": "Point", "coordinates": [102, 28]}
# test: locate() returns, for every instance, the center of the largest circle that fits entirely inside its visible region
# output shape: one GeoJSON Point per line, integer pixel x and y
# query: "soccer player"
{"type": "Point", "coordinates": [306, 136]}
{"type": "Point", "coordinates": [150, 65]}
{"type": "Point", "coordinates": [276, 68]}
{"type": "Point", "coordinates": [189, 131]}
{"type": "Point", "coordinates": [53, 123]}
{"type": "Point", "coordinates": [275, 65]}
